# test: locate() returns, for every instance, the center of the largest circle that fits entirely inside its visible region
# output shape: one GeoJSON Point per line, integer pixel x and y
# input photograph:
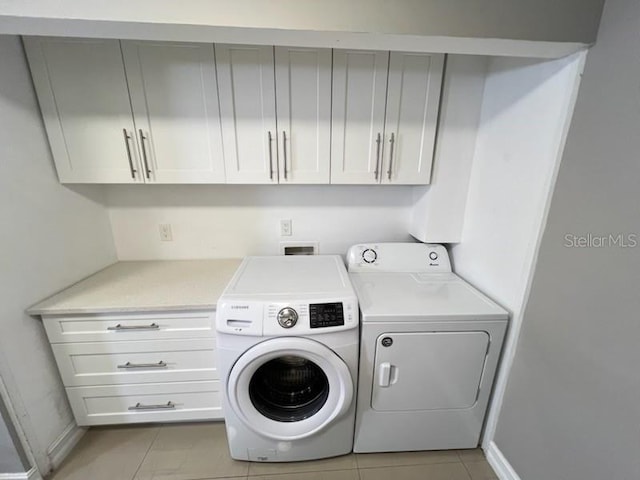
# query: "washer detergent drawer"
{"type": "Point", "coordinates": [428, 370]}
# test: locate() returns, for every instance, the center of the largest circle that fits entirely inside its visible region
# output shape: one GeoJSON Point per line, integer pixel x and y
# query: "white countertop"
{"type": "Point", "coordinates": [140, 286]}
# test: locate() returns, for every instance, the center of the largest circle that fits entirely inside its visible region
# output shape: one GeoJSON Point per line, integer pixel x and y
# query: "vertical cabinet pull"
{"type": "Point", "coordinates": [270, 156]}
{"type": "Point", "coordinates": [378, 142]}
{"type": "Point", "coordinates": [127, 137]}
{"type": "Point", "coordinates": [284, 152]}
{"type": "Point", "coordinates": [392, 142]}
{"type": "Point", "coordinates": [144, 154]}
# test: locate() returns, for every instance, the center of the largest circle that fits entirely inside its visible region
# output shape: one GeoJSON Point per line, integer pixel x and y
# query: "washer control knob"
{"type": "Point", "coordinates": [369, 255]}
{"type": "Point", "coordinates": [287, 317]}
{"type": "Point", "coordinates": [433, 255]}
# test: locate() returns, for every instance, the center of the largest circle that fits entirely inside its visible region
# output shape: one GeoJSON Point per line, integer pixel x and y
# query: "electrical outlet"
{"type": "Point", "coordinates": [285, 228]}
{"type": "Point", "coordinates": [165, 232]}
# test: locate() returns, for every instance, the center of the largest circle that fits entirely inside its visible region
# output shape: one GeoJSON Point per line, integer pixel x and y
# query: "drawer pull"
{"type": "Point", "coordinates": [120, 327]}
{"type": "Point", "coordinates": [167, 406]}
{"type": "Point", "coordinates": [160, 364]}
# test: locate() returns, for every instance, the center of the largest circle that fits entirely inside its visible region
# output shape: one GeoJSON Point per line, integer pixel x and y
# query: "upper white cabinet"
{"type": "Point", "coordinates": [385, 109]}
{"type": "Point", "coordinates": [276, 113]}
{"type": "Point", "coordinates": [148, 116]}
{"type": "Point", "coordinates": [174, 96]}
{"type": "Point", "coordinates": [303, 106]}
{"type": "Point", "coordinates": [169, 112]}
{"type": "Point", "coordinates": [248, 112]}
{"type": "Point", "coordinates": [413, 96]}
{"type": "Point", "coordinates": [82, 88]}
{"type": "Point", "coordinates": [359, 96]}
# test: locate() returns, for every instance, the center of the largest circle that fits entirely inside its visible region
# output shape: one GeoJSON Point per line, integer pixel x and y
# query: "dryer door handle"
{"type": "Point", "coordinates": [384, 374]}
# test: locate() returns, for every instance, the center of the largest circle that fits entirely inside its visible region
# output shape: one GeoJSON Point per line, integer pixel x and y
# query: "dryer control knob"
{"type": "Point", "coordinates": [369, 255]}
{"type": "Point", "coordinates": [287, 317]}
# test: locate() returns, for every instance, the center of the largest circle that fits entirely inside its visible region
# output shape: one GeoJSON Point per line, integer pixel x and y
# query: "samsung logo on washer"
{"type": "Point", "coordinates": [239, 307]}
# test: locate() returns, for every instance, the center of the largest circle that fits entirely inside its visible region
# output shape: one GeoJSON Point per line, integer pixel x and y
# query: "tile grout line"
{"type": "Point", "coordinates": [148, 450]}
{"type": "Point", "coordinates": [407, 465]}
{"type": "Point", "coordinates": [467, 470]}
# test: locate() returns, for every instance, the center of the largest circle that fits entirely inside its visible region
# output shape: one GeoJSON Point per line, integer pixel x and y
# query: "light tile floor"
{"type": "Point", "coordinates": [198, 451]}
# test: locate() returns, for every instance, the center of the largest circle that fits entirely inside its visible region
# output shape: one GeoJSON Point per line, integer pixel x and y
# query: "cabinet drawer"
{"type": "Point", "coordinates": [109, 363]}
{"type": "Point", "coordinates": [117, 327]}
{"type": "Point", "coordinates": [104, 405]}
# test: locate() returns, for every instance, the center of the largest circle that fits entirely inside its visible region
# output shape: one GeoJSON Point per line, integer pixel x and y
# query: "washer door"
{"type": "Point", "coordinates": [289, 388]}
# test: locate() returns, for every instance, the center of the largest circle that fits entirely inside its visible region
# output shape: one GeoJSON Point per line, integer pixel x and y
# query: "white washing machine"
{"type": "Point", "coordinates": [288, 345]}
{"type": "Point", "coordinates": [430, 346]}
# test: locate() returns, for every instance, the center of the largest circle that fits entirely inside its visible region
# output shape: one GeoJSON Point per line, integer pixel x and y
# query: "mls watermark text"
{"type": "Point", "coordinates": [590, 240]}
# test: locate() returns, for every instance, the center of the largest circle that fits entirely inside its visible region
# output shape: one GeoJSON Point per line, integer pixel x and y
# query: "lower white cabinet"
{"type": "Point", "coordinates": [116, 327]}
{"type": "Point", "coordinates": [153, 402]}
{"type": "Point", "coordinates": [109, 363]}
{"type": "Point", "coordinates": [140, 367]}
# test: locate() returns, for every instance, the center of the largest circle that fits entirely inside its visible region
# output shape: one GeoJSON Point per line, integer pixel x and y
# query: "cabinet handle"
{"type": "Point", "coordinates": [119, 327]}
{"type": "Point", "coordinates": [284, 152]}
{"type": "Point", "coordinates": [163, 406]}
{"type": "Point", "coordinates": [378, 142]}
{"type": "Point", "coordinates": [160, 364]}
{"type": "Point", "coordinates": [127, 137]}
{"type": "Point", "coordinates": [144, 154]}
{"type": "Point", "coordinates": [392, 143]}
{"type": "Point", "coordinates": [270, 156]}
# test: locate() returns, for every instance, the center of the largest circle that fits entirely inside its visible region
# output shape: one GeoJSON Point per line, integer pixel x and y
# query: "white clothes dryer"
{"type": "Point", "coordinates": [288, 345]}
{"type": "Point", "coordinates": [430, 346]}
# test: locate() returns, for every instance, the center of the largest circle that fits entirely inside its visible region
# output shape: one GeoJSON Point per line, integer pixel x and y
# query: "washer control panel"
{"type": "Point", "coordinates": [287, 318]}
{"type": "Point", "coordinates": [399, 257]}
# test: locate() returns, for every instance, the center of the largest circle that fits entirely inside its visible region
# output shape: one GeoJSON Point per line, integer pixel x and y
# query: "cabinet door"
{"type": "Point", "coordinates": [82, 89]}
{"type": "Point", "coordinates": [303, 106]}
{"type": "Point", "coordinates": [247, 108]}
{"type": "Point", "coordinates": [413, 95]}
{"type": "Point", "coordinates": [175, 103]}
{"type": "Point", "coordinates": [359, 94]}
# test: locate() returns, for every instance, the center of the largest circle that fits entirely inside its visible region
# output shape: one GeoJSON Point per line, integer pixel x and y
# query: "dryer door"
{"type": "Point", "coordinates": [428, 370]}
{"type": "Point", "coordinates": [289, 388]}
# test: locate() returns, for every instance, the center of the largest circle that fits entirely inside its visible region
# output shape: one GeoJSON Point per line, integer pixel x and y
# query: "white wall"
{"type": "Point", "coordinates": [438, 211]}
{"type": "Point", "coordinates": [52, 236]}
{"type": "Point", "coordinates": [237, 220]}
{"type": "Point", "coordinates": [571, 408]}
{"type": "Point", "coordinates": [526, 109]}
{"type": "Point", "coordinates": [10, 461]}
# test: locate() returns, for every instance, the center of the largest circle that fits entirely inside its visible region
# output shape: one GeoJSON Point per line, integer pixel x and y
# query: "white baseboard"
{"type": "Point", "coordinates": [62, 446]}
{"type": "Point", "coordinates": [32, 474]}
{"type": "Point", "coordinates": [499, 463]}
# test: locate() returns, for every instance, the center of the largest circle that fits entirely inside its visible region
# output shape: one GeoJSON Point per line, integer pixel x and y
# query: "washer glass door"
{"type": "Point", "coordinates": [289, 388]}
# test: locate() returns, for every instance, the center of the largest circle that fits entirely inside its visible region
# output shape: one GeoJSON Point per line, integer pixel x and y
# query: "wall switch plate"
{"type": "Point", "coordinates": [285, 227]}
{"type": "Point", "coordinates": [165, 232]}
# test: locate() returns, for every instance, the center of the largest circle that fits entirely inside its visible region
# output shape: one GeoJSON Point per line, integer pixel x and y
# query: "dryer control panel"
{"type": "Point", "coordinates": [398, 257]}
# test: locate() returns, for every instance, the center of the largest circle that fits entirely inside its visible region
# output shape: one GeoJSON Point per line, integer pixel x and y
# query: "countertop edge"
{"type": "Point", "coordinates": [42, 312]}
